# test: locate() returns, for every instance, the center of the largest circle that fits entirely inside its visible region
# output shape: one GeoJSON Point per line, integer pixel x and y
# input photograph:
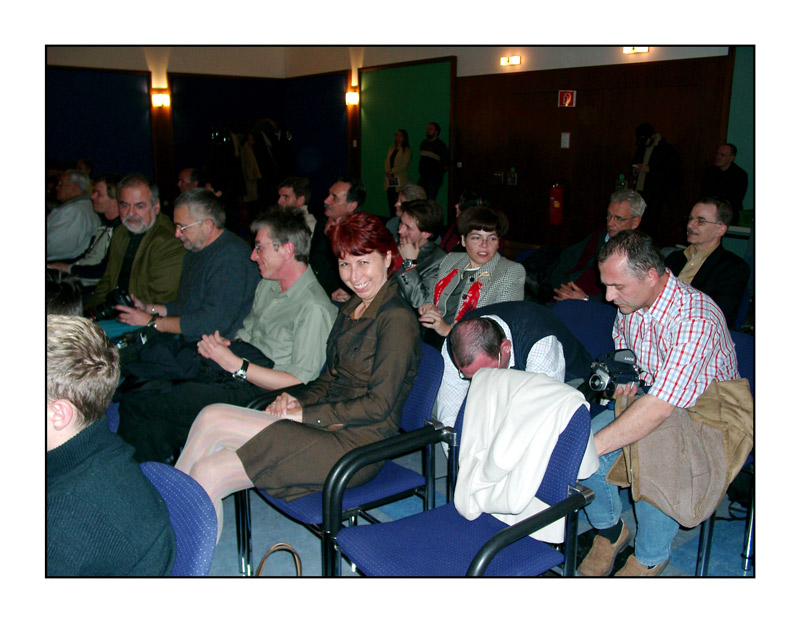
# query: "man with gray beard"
{"type": "Point", "coordinates": [145, 257]}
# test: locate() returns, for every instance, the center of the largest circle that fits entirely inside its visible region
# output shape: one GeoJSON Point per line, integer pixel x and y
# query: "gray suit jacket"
{"type": "Point", "coordinates": [500, 280]}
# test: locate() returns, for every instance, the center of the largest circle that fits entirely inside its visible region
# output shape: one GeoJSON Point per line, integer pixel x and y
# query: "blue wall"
{"type": "Point", "coordinates": [102, 115]}
{"type": "Point", "coordinates": [105, 116]}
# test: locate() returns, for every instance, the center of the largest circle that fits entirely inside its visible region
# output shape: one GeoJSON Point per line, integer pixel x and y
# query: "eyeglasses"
{"type": "Point", "coordinates": [259, 245]}
{"type": "Point", "coordinates": [183, 228]}
{"type": "Point", "coordinates": [617, 219]}
{"type": "Point", "coordinates": [465, 378]}
{"type": "Point", "coordinates": [700, 221]}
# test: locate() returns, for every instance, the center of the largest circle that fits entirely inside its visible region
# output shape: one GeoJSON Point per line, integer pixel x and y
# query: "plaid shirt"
{"type": "Point", "coordinates": [681, 343]}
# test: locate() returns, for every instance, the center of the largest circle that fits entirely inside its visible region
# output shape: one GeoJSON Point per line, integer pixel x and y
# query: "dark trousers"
{"type": "Point", "coordinates": [156, 420]}
{"type": "Point", "coordinates": [431, 184]}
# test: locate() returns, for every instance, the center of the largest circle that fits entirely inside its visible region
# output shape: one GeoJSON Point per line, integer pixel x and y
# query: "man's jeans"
{"type": "Point", "coordinates": [655, 530]}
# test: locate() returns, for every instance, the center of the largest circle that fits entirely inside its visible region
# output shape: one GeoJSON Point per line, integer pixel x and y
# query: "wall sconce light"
{"type": "Point", "coordinates": [160, 98]}
{"type": "Point", "coordinates": [351, 98]}
{"type": "Point", "coordinates": [637, 49]}
{"type": "Point", "coordinates": [510, 60]}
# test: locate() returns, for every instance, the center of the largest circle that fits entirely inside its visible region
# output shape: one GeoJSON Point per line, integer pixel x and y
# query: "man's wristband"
{"type": "Point", "coordinates": [586, 298]}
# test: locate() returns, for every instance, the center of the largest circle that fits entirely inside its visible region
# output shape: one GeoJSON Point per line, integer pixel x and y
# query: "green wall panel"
{"type": "Point", "coordinates": [407, 97]}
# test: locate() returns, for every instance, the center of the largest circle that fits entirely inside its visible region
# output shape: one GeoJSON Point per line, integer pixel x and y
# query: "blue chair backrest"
{"type": "Point", "coordinates": [745, 355]}
{"type": "Point", "coordinates": [744, 309]}
{"type": "Point", "coordinates": [591, 322]}
{"type": "Point", "coordinates": [565, 461]}
{"type": "Point", "coordinates": [419, 404]}
{"type": "Point", "coordinates": [191, 514]}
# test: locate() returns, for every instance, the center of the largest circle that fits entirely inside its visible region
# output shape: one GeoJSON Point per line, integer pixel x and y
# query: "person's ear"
{"type": "Point", "coordinates": [60, 413]}
{"type": "Point", "coordinates": [505, 350]}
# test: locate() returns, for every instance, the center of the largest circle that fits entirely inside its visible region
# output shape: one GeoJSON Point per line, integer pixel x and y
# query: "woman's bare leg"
{"type": "Point", "coordinates": [209, 455]}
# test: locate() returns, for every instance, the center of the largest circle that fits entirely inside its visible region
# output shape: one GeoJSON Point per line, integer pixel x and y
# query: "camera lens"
{"type": "Point", "coordinates": [599, 381]}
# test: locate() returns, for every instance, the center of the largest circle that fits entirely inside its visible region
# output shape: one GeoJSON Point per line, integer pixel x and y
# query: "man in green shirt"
{"type": "Point", "coordinates": [289, 323]}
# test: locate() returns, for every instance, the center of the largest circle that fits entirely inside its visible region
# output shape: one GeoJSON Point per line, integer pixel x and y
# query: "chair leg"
{"type": "Point", "coordinates": [571, 544]}
{"type": "Point", "coordinates": [704, 550]}
{"type": "Point", "coordinates": [748, 553]}
{"type": "Point", "coordinates": [241, 501]}
{"type": "Point", "coordinates": [429, 472]}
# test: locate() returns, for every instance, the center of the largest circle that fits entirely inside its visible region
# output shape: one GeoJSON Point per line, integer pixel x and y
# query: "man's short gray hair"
{"type": "Point", "coordinates": [412, 192]}
{"type": "Point", "coordinates": [203, 204]}
{"type": "Point", "coordinates": [79, 178]}
{"type": "Point", "coordinates": [635, 200]}
{"type": "Point", "coordinates": [286, 225]}
{"type": "Point", "coordinates": [639, 249]}
{"type": "Point", "coordinates": [137, 179]}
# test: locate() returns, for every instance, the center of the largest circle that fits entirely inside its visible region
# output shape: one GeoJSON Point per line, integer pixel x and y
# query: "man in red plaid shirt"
{"type": "Point", "coordinates": [682, 343]}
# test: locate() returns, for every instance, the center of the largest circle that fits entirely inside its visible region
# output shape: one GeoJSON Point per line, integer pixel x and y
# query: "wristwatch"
{"type": "Point", "coordinates": [241, 373]}
{"type": "Point", "coordinates": [408, 264]}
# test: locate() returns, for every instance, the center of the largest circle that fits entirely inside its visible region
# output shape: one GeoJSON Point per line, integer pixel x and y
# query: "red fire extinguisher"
{"type": "Point", "coordinates": [557, 203]}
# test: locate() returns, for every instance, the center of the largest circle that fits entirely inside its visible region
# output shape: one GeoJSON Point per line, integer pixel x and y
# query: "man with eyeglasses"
{"type": "Point", "coordinates": [575, 274]}
{"type": "Point", "coordinates": [144, 257]}
{"type": "Point", "coordinates": [705, 264]}
{"type": "Point", "coordinates": [726, 179]}
{"type": "Point", "coordinates": [281, 342]}
{"type": "Point", "coordinates": [517, 334]}
{"type": "Point", "coordinates": [217, 281]}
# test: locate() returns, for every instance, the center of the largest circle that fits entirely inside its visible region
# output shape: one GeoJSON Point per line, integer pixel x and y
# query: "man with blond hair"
{"type": "Point", "coordinates": [103, 516]}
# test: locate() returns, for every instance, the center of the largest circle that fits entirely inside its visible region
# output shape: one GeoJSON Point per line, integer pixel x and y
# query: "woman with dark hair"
{"type": "Point", "coordinates": [396, 167]}
{"type": "Point", "coordinates": [373, 354]}
{"type": "Point", "coordinates": [451, 240]}
{"type": "Point", "coordinates": [479, 277]}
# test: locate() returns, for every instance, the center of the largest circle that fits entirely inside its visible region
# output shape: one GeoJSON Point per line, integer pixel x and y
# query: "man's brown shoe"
{"type": "Point", "coordinates": [600, 559]}
{"type": "Point", "coordinates": [634, 569]}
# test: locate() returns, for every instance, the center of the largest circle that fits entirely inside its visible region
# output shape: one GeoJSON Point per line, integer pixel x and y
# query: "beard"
{"type": "Point", "coordinates": [135, 225]}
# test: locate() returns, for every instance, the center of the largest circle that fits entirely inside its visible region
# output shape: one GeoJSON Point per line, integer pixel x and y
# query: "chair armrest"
{"type": "Point", "coordinates": [346, 467]}
{"type": "Point", "coordinates": [578, 497]}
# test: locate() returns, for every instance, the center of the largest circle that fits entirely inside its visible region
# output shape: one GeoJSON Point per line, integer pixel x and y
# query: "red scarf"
{"type": "Point", "coordinates": [473, 294]}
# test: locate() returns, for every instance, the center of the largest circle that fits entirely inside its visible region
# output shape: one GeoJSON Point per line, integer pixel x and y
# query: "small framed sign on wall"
{"type": "Point", "coordinates": [566, 99]}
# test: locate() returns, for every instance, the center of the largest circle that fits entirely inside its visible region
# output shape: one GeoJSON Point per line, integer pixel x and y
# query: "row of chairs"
{"type": "Point", "coordinates": [415, 545]}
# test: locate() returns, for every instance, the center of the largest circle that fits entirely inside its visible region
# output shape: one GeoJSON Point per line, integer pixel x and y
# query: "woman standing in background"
{"type": "Point", "coordinates": [396, 167]}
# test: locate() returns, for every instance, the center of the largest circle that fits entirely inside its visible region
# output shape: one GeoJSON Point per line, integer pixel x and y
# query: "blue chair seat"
{"type": "Point", "coordinates": [439, 552]}
{"type": "Point", "coordinates": [392, 480]}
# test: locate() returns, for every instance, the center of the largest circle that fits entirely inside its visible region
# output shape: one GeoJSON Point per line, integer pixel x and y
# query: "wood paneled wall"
{"type": "Point", "coordinates": [505, 121]}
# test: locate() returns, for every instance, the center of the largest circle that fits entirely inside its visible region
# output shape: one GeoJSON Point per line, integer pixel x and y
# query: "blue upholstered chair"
{"type": "Point", "coordinates": [591, 322]}
{"type": "Point", "coordinates": [392, 483]}
{"type": "Point", "coordinates": [192, 515]}
{"type": "Point", "coordinates": [745, 354]}
{"type": "Point", "coordinates": [440, 542]}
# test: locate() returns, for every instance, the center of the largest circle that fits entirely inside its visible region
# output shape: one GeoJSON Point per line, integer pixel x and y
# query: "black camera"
{"type": "Point", "coordinates": [105, 311]}
{"type": "Point", "coordinates": [617, 368]}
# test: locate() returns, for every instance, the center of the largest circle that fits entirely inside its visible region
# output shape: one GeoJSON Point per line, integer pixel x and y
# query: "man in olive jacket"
{"type": "Point", "coordinates": [145, 257]}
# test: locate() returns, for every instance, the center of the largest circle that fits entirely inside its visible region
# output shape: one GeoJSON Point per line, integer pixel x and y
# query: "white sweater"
{"type": "Point", "coordinates": [512, 422]}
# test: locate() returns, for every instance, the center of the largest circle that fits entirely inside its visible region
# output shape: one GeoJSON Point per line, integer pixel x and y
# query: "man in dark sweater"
{"type": "Point", "coordinates": [217, 282]}
{"type": "Point", "coordinates": [434, 158]}
{"type": "Point", "coordinates": [726, 179]}
{"type": "Point", "coordinates": [103, 515]}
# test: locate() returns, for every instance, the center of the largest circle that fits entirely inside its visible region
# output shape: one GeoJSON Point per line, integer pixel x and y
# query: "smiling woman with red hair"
{"type": "Point", "coordinates": [373, 354]}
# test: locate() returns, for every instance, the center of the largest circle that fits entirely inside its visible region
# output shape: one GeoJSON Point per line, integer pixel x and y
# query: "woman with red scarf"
{"type": "Point", "coordinates": [479, 277]}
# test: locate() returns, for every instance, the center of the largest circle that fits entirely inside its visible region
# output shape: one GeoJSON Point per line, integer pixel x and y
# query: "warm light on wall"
{"type": "Point", "coordinates": [160, 98]}
{"type": "Point", "coordinates": [510, 60]}
{"type": "Point", "coordinates": [351, 97]}
{"type": "Point", "coordinates": [637, 49]}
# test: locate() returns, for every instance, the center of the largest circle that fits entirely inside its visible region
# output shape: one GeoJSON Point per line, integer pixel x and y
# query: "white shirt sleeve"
{"type": "Point", "coordinates": [547, 357]}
